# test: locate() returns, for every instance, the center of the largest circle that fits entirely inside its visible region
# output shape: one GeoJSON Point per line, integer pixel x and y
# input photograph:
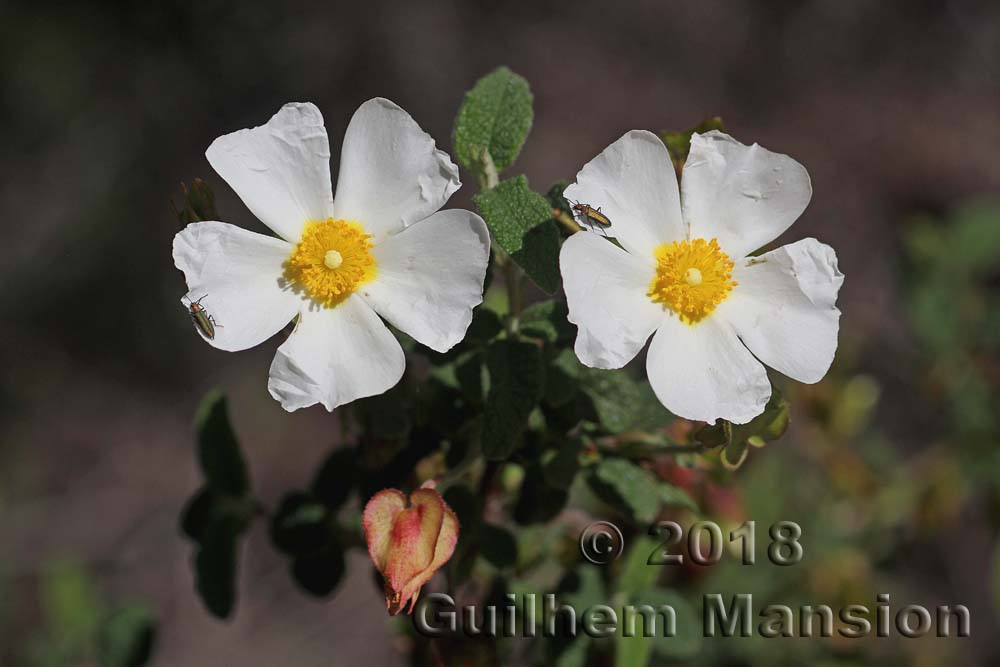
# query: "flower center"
{"type": "Point", "coordinates": [692, 278]}
{"type": "Point", "coordinates": [332, 259]}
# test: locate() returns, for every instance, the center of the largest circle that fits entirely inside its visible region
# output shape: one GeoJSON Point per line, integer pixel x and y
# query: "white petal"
{"type": "Point", "coordinates": [280, 170]}
{"type": "Point", "coordinates": [784, 308]}
{"type": "Point", "coordinates": [743, 195]}
{"type": "Point", "coordinates": [606, 294]}
{"type": "Point", "coordinates": [430, 277]}
{"type": "Point", "coordinates": [334, 356]}
{"type": "Point", "coordinates": [390, 173]}
{"type": "Point", "coordinates": [704, 372]}
{"type": "Point", "coordinates": [237, 275]}
{"type": "Point", "coordinates": [633, 182]}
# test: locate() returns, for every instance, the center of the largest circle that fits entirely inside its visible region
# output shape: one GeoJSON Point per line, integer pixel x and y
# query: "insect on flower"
{"type": "Point", "coordinates": [592, 217]}
{"type": "Point", "coordinates": [202, 319]}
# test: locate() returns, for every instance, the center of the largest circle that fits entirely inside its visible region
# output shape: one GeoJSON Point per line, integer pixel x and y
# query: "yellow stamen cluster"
{"type": "Point", "coordinates": [692, 278]}
{"type": "Point", "coordinates": [332, 259]}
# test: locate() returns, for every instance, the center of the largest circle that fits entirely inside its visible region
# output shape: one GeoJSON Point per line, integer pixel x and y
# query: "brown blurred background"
{"type": "Point", "coordinates": [894, 107]}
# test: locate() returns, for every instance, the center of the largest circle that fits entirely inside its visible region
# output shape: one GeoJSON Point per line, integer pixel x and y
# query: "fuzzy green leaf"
{"type": "Point", "coordinates": [629, 486]}
{"type": "Point", "coordinates": [520, 220]}
{"type": "Point", "coordinates": [218, 450]}
{"type": "Point", "coordinates": [622, 403]}
{"type": "Point", "coordinates": [548, 320]}
{"type": "Point", "coordinates": [495, 117]}
{"type": "Point", "coordinates": [516, 382]}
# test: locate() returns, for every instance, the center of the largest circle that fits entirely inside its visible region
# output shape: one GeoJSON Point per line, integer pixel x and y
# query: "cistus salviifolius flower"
{"type": "Point", "coordinates": [408, 544]}
{"type": "Point", "coordinates": [381, 247]}
{"type": "Point", "coordinates": [684, 274]}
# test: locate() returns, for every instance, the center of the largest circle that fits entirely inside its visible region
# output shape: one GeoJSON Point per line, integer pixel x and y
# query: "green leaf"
{"type": "Point", "coordinates": [384, 416]}
{"type": "Point", "coordinates": [216, 565]}
{"type": "Point", "coordinates": [629, 486]}
{"type": "Point", "coordinates": [301, 525]}
{"type": "Point", "coordinates": [538, 501]}
{"type": "Point", "coordinates": [637, 575]}
{"type": "Point", "coordinates": [197, 513]}
{"type": "Point", "coordinates": [622, 403]}
{"type": "Point", "coordinates": [485, 326]}
{"type": "Point", "coordinates": [520, 220]}
{"type": "Point", "coordinates": [495, 118]}
{"type": "Point", "coordinates": [319, 573]}
{"type": "Point", "coordinates": [561, 379]}
{"type": "Point", "coordinates": [539, 256]}
{"type": "Point", "coordinates": [636, 650]}
{"type": "Point", "coordinates": [516, 382]}
{"type": "Point", "coordinates": [561, 467]}
{"type": "Point", "coordinates": [497, 545]}
{"type": "Point", "coordinates": [335, 479]}
{"type": "Point", "coordinates": [218, 450]}
{"type": "Point", "coordinates": [548, 320]}
{"type": "Point", "coordinates": [127, 638]}
{"type": "Point", "coordinates": [674, 496]}
{"type": "Point", "coordinates": [679, 143]}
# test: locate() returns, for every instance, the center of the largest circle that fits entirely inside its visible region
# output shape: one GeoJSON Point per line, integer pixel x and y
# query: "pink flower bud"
{"type": "Point", "coordinates": [408, 544]}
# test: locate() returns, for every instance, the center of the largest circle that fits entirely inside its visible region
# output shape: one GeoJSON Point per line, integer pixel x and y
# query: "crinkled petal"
{"type": "Point", "coordinates": [280, 170]}
{"type": "Point", "coordinates": [446, 540]}
{"type": "Point", "coordinates": [704, 372]}
{"type": "Point", "coordinates": [391, 175]}
{"type": "Point", "coordinates": [633, 183]}
{"type": "Point", "coordinates": [334, 356]}
{"type": "Point", "coordinates": [745, 196]}
{"type": "Point", "coordinates": [380, 513]}
{"type": "Point", "coordinates": [237, 276]}
{"type": "Point", "coordinates": [430, 277]}
{"type": "Point", "coordinates": [784, 308]}
{"type": "Point", "coordinates": [606, 291]}
{"type": "Point", "coordinates": [414, 537]}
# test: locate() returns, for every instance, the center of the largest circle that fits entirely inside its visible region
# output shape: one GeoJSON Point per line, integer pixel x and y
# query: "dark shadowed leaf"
{"type": "Point", "coordinates": [218, 450]}
{"type": "Point", "coordinates": [319, 573]}
{"type": "Point", "coordinates": [127, 638]}
{"type": "Point", "coordinates": [516, 382]}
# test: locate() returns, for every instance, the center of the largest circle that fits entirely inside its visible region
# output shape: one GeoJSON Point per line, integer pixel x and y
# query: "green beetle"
{"type": "Point", "coordinates": [202, 319]}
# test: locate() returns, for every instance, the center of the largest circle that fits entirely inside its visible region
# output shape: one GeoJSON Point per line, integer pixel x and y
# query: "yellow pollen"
{"type": "Point", "coordinates": [332, 259]}
{"type": "Point", "coordinates": [692, 278]}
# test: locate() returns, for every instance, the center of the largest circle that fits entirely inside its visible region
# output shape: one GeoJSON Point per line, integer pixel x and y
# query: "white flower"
{"type": "Point", "coordinates": [378, 248]}
{"type": "Point", "coordinates": [685, 274]}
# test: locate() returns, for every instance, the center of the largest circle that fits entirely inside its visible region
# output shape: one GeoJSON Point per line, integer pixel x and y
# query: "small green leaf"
{"type": "Point", "coordinates": [539, 256]}
{"type": "Point", "coordinates": [637, 575]}
{"type": "Point", "coordinates": [319, 573]}
{"type": "Point", "coordinates": [218, 450]}
{"type": "Point", "coordinates": [497, 545]}
{"type": "Point", "coordinates": [216, 565]}
{"type": "Point", "coordinates": [674, 496]}
{"type": "Point", "coordinates": [548, 320]}
{"type": "Point", "coordinates": [301, 525]}
{"type": "Point", "coordinates": [516, 382]}
{"type": "Point", "coordinates": [629, 486]}
{"type": "Point", "coordinates": [485, 326]}
{"type": "Point", "coordinates": [127, 638]}
{"type": "Point", "coordinates": [197, 513]}
{"type": "Point", "coordinates": [561, 468]}
{"type": "Point", "coordinates": [562, 378]}
{"type": "Point", "coordinates": [495, 117]}
{"type": "Point", "coordinates": [737, 438]}
{"type": "Point", "coordinates": [538, 501]}
{"type": "Point", "coordinates": [622, 403]}
{"type": "Point", "coordinates": [384, 416]}
{"type": "Point", "coordinates": [679, 143]}
{"type": "Point", "coordinates": [520, 220]}
{"type": "Point", "coordinates": [335, 479]}
{"type": "Point", "coordinates": [636, 650]}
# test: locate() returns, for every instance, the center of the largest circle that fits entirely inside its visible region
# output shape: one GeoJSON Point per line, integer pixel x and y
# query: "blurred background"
{"type": "Point", "coordinates": [892, 463]}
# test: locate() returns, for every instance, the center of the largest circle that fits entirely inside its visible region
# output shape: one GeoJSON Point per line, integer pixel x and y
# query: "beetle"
{"type": "Point", "coordinates": [593, 217]}
{"type": "Point", "coordinates": [202, 319]}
